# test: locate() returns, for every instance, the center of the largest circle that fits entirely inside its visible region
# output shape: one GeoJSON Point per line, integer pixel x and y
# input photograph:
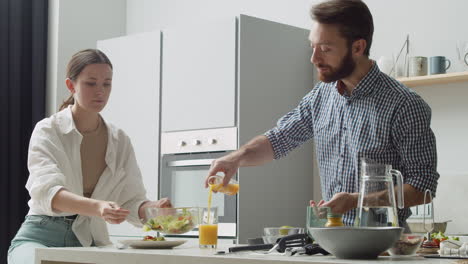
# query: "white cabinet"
{"type": "Point", "coordinates": [134, 104]}
{"type": "Point", "coordinates": [199, 76]}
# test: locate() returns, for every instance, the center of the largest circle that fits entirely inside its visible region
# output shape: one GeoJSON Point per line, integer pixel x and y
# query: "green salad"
{"type": "Point", "coordinates": [171, 224]}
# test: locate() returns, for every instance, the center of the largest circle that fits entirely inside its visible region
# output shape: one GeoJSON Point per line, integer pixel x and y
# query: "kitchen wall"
{"type": "Point", "coordinates": [75, 25]}
{"type": "Point", "coordinates": [434, 27]}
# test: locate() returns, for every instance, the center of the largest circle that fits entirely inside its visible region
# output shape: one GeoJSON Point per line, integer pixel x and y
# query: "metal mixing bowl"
{"type": "Point", "coordinates": [282, 231]}
{"type": "Point", "coordinates": [356, 242]}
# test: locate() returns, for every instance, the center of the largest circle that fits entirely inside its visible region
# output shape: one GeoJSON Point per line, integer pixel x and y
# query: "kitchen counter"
{"type": "Point", "coordinates": [190, 253]}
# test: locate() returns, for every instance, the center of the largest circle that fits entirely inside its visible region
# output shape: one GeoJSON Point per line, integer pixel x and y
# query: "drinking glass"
{"type": "Point", "coordinates": [208, 228]}
{"type": "Point", "coordinates": [316, 217]}
{"type": "Point", "coordinates": [462, 54]}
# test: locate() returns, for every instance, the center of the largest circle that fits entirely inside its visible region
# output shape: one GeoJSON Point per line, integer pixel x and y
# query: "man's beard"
{"type": "Point", "coordinates": [345, 69]}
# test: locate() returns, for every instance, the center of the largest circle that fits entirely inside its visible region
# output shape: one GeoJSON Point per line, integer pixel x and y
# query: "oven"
{"type": "Point", "coordinates": [186, 157]}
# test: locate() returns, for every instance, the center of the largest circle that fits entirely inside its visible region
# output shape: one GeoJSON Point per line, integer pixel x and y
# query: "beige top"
{"type": "Point", "coordinates": [93, 154]}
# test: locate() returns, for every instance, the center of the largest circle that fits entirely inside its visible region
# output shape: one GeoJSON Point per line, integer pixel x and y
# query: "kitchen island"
{"type": "Point", "coordinates": [190, 253]}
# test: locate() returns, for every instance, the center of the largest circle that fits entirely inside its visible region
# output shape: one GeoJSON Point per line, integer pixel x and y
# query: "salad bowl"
{"type": "Point", "coordinates": [171, 221]}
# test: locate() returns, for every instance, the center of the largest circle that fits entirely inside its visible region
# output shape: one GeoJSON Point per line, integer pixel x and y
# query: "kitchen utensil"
{"type": "Point", "coordinates": [356, 242]}
{"type": "Point", "coordinates": [141, 244]}
{"type": "Point", "coordinates": [171, 220]}
{"type": "Point", "coordinates": [376, 202]}
{"type": "Point", "coordinates": [309, 249]}
{"type": "Point", "coordinates": [251, 247]}
{"type": "Point", "coordinates": [271, 239]}
{"type": "Point", "coordinates": [296, 240]}
{"type": "Point", "coordinates": [289, 242]}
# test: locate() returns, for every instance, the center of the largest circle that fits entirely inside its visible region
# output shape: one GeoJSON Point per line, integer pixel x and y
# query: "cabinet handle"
{"type": "Point", "coordinates": [194, 162]}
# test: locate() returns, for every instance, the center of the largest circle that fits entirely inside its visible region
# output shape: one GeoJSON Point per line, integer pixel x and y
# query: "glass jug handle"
{"type": "Point", "coordinates": [399, 178]}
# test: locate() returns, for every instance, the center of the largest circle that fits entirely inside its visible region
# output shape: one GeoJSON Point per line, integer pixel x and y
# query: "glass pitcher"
{"type": "Point", "coordinates": [376, 202]}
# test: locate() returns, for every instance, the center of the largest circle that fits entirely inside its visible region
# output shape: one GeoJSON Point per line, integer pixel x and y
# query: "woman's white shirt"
{"type": "Point", "coordinates": [54, 163]}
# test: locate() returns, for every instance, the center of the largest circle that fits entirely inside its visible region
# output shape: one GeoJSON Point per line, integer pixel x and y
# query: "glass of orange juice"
{"type": "Point", "coordinates": [208, 228]}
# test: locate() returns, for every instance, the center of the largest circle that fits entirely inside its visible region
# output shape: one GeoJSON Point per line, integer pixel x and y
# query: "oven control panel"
{"type": "Point", "coordinates": [206, 140]}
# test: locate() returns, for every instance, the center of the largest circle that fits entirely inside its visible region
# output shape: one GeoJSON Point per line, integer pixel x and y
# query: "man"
{"type": "Point", "coordinates": [355, 112]}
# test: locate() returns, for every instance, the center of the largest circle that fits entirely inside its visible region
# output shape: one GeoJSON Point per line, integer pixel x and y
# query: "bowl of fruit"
{"type": "Point", "coordinates": [171, 221]}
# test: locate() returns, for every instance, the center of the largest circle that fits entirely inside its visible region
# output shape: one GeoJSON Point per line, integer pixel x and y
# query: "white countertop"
{"type": "Point", "coordinates": [190, 253]}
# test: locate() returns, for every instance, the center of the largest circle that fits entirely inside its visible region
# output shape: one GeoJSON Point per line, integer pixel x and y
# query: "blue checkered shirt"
{"type": "Point", "coordinates": [381, 120]}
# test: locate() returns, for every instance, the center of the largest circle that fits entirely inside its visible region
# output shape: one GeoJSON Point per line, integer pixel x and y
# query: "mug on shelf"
{"type": "Point", "coordinates": [439, 64]}
{"type": "Point", "coordinates": [417, 66]}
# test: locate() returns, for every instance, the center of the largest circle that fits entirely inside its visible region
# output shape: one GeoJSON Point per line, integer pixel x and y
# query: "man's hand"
{"type": "Point", "coordinates": [341, 202]}
{"type": "Point", "coordinates": [256, 152]}
{"type": "Point", "coordinates": [227, 165]}
{"type": "Point", "coordinates": [111, 212]}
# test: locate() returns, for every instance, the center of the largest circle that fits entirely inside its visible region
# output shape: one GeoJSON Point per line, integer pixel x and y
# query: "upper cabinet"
{"type": "Point", "coordinates": [199, 77]}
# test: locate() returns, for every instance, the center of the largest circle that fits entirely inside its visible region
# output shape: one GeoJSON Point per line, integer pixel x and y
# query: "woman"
{"type": "Point", "coordinates": [83, 170]}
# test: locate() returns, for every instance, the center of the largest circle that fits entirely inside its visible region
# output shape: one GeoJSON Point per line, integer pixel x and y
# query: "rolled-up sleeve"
{"type": "Point", "coordinates": [416, 144]}
{"type": "Point", "coordinates": [134, 192]}
{"type": "Point", "coordinates": [46, 177]}
{"type": "Point", "coordinates": [292, 129]}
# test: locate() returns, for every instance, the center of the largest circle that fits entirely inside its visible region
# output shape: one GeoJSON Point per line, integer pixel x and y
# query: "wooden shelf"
{"type": "Point", "coordinates": [435, 79]}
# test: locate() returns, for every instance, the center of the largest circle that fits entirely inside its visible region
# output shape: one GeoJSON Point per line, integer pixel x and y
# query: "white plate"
{"type": "Point", "coordinates": [153, 244]}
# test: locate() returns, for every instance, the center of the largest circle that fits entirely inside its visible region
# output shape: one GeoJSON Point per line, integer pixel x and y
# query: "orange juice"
{"type": "Point", "coordinates": [208, 234]}
{"type": "Point", "coordinates": [210, 195]}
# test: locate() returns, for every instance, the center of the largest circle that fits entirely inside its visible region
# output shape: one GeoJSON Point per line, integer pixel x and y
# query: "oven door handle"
{"type": "Point", "coordinates": [194, 162]}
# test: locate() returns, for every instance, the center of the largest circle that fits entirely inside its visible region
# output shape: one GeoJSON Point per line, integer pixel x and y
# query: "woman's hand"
{"type": "Point", "coordinates": [163, 203]}
{"type": "Point", "coordinates": [111, 212]}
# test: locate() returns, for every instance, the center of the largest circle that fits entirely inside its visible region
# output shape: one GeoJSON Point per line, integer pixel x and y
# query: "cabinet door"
{"type": "Point", "coordinates": [134, 104]}
{"type": "Point", "coordinates": [198, 77]}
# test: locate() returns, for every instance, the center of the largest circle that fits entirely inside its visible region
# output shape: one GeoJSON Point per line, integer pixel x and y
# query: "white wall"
{"type": "Point", "coordinates": [75, 25]}
{"type": "Point", "coordinates": [434, 27]}
{"type": "Point", "coordinates": [147, 15]}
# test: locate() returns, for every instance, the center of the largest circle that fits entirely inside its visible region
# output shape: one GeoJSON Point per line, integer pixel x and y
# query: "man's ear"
{"type": "Point", "coordinates": [70, 85]}
{"type": "Point", "coordinates": [359, 46]}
